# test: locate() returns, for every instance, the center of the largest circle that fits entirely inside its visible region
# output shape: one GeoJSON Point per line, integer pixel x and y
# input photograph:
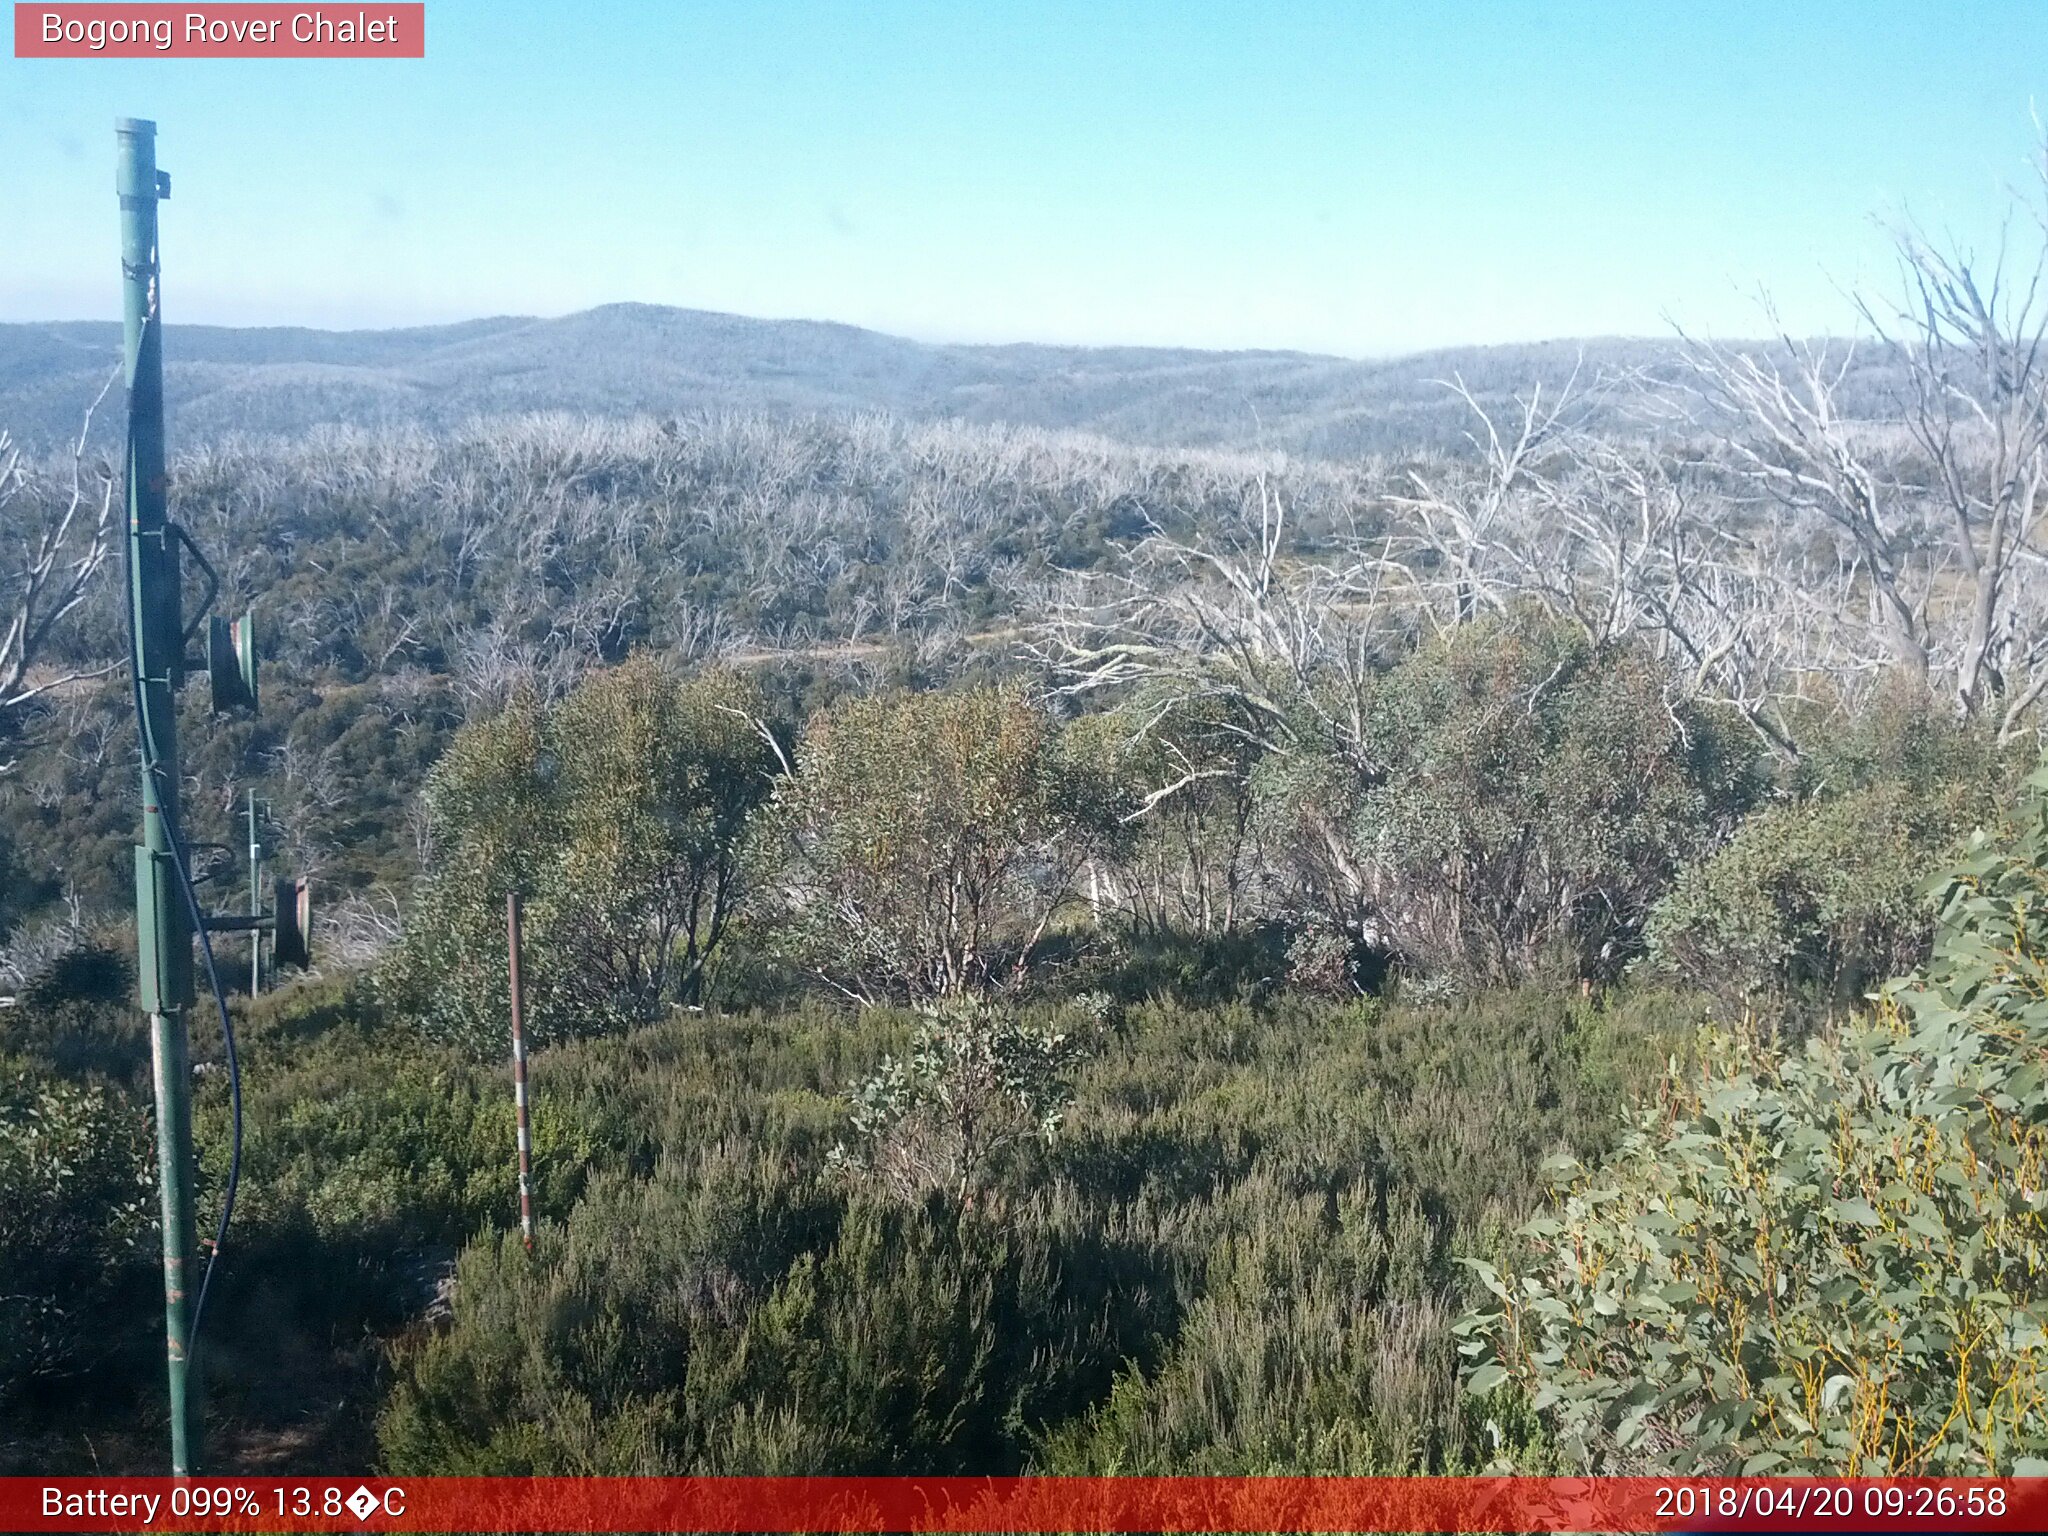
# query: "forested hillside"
{"type": "Point", "coordinates": [1063, 951]}
{"type": "Point", "coordinates": [628, 359]}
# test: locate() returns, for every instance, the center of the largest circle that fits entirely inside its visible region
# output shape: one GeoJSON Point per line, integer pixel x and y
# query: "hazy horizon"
{"type": "Point", "coordinates": [991, 342]}
{"type": "Point", "coordinates": [1347, 181]}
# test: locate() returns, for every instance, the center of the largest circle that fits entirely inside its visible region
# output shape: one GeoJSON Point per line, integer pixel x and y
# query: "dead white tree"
{"type": "Point", "coordinates": [1234, 628]}
{"type": "Point", "coordinates": [1939, 512]}
{"type": "Point", "coordinates": [1466, 545]}
{"type": "Point", "coordinates": [1285, 645]}
{"type": "Point", "coordinates": [61, 548]}
{"type": "Point", "coordinates": [355, 931]}
{"type": "Point", "coordinates": [1826, 471]}
{"type": "Point", "coordinates": [1626, 544]}
{"type": "Point", "coordinates": [1971, 337]}
{"type": "Point", "coordinates": [1617, 539]}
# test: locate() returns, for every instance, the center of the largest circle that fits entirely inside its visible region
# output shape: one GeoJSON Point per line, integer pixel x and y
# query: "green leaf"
{"type": "Point", "coordinates": [1486, 1379]}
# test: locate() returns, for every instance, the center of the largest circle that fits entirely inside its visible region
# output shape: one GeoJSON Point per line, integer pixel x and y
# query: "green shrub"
{"type": "Point", "coordinates": [1822, 899]}
{"type": "Point", "coordinates": [924, 842]}
{"type": "Point", "coordinates": [1509, 798]}
{"type": "Point", "coordinates": [77, 1223]}
{"type": "Point", "coordinates": [974, 1083]}
{"type": "Point", "coordinates": [1320, 1342]}
{"type": "Point", "coordinates": [370, 1157]}
{"type": "Point", "coordinates": [619, 815]}
{"type": "Point", "coordinates": [1107, 1300]}
{"type": "Point", "coordinates": [1836, 1262]}
{"type": "Point", "coordinates": [365, 1140]}
{"type": "Point", "coordinates": [76, 1015]}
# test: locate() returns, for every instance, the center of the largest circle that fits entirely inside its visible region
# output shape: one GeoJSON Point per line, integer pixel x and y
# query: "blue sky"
{"type": "Point", "coordinates": [1346, 177]}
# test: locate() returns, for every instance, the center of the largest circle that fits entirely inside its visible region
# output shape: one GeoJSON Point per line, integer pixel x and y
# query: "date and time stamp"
{"type": "Point", "coordinates": [1826, 1505]}
{"type": "Point", "coordinates": [829, 1505]}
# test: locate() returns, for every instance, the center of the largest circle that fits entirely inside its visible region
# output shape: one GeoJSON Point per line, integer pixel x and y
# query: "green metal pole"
{"type": "Point", "coordinates": [255, 901]}
{"type": "Point", "coordinates": [163, 931]}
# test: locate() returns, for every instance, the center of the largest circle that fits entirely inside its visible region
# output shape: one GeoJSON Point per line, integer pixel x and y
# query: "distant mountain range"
{"type": "Point", "coordinates": [640, 358]}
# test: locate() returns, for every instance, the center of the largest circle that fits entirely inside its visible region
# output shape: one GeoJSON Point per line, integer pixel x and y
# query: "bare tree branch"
{"type": "Point", "coordinates": [61, 552]}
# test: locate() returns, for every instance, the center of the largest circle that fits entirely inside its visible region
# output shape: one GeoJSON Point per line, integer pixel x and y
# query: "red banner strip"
{"type": "Point", "coordinates": [118, 31]}
{"type": "Point", "coordinates": [1023, 1504]}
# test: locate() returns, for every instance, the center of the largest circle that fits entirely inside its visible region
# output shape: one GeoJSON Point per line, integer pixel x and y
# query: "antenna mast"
{"type": "Point", "coordinates": [167, 911]}
{"type": "Point", "coordinates": [163, 935]}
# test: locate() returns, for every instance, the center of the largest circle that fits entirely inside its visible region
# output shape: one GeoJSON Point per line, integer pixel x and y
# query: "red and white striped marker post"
{"type": "Point", "coordinates": [519, 1075]}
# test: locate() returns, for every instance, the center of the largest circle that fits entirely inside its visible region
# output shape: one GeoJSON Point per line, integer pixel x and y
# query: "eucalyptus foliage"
{"type": "Point", "coordinates": [1507, 795]}
{"type": "Point", "coordinates": [618, 814]}
{"type": "Point", "coordinates": [1833, 1262]}
{"type": "Point", "coordinates": [77, 1212]}
{"type": "Point", "coordinates": [1182, 851]}
{"type": "Point", "coordinates": [1823, 895]}
{"type": "Point", "coordinates": [925, 841]}
{"type": "Point", "coordinates": [1820, 898]}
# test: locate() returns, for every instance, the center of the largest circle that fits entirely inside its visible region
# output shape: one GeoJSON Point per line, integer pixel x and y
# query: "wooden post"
{"type": "Point", "coordinates": [519, 1075]}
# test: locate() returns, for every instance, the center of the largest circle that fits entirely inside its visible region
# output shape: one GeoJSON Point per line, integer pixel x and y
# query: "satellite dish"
{"type": "Point", "coordinates": [292, 941]}
{"type": "Point", "coordinates": [231, 663]}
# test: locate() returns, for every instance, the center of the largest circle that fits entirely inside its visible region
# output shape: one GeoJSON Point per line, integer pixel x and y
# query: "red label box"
{"type": "Point", "coordinates": [957, 1506]}
{"type": "Point", "coordinates": [372, 30]}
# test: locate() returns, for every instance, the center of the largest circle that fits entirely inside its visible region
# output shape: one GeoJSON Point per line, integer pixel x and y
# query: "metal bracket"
{"type": "Point", "coordinates": [219, 859]}
{"type": "Point", "coordinates": [212, 582]}
{"type": "Point", "coordinates": [239, 922]}
{"type": "Point", "coordinates": [289, 922]}
{"type": "Point", "coordinates": [163, 970]}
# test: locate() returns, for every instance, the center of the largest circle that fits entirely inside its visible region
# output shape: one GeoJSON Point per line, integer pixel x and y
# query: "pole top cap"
{"type": "Point", "coordinates": [139, 125]}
